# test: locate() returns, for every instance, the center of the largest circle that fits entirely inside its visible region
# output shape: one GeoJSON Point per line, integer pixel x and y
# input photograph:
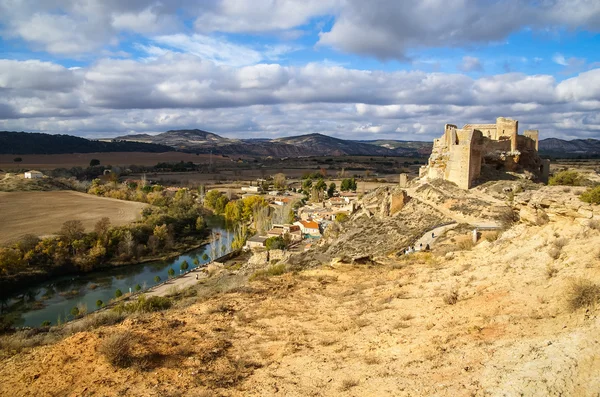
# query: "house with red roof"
{"type": "Point", "coordinates": [309, 227]}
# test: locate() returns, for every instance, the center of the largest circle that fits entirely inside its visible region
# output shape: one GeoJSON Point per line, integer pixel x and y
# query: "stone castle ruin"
{"type": "Point", "coordinates": [462, 154]}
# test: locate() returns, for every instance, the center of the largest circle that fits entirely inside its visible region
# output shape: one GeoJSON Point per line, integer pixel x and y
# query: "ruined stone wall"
{"type": "Point", "coordinates": [534, 135]}
{"type": "Point", "coordinates": [509, 128]}
{"type": "Point", "coordinates": [458, 155]}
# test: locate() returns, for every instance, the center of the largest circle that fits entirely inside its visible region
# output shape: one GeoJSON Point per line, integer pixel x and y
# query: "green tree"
{"type": "Point", "coordinates": [274, 243]}
{"type": "Point", "coordinates": [46, 323]}
{"type": "Point", "coordinates": [233, 211]}
{"type": "Point", "coordinates": [94, 162]}
{"type": "Point", "coordinates": [205, 257]}
{"type": "Point", "coordinates": [307, 185]}
{"type": "Point", "coordinates": [211, 198]}
{"type": "Point", "coordinates": [157, 279]}
{"type": "Point", "coordinates": [138, 287]}
{"type": "Point", "coordinates": [171, 272]}
{"type": "Point", "coordinates": [220, 204]}
{"type": "Point", "coordinates": [331, 189]}
{"type": "Point", "coordinates": [184, 265]}
{"type": "Point", "coordinates": [75, 311]}
{"type": "Point", "coordinates": [348, 184]}
{"type": "Point", "coordinates": [99, 303]}
{"type": "Point", "coordinates": [196, 261]}
{"type": "Point", "coordinates": [118, 293]}
{"type": "Point", "coordinates": [200, 224]}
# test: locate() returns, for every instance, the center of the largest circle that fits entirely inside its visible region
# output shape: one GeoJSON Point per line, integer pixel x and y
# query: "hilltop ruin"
{"type": "Point", "coordinates": [461, 154]}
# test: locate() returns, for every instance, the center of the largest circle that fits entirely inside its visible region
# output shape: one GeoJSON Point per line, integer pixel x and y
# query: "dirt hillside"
{"type": "Point", "coordinates": [495, 319]}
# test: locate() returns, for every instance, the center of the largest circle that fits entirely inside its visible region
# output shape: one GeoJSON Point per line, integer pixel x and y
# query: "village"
{"type": "Point", "coordinates": [311, 218]}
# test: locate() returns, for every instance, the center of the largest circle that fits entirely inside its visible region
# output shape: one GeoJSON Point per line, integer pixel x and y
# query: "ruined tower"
{"type": "Point", "coordinates": [460, 153]}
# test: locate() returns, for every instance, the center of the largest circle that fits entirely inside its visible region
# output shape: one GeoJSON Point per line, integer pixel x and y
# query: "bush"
{"type": "Point", "coordinates": [145, 305]}
{"type": "Point", "coordinates": [582, 294]}
{"type": "Point", "coordinates": [274, 243]}
{"type": "Point", "coordinates": [157, 279]}
{"type": "Point", "coordinates": [451, 297]}
{"type": "Point", "coordinates": [341, 217]}
{"type": "Point", "coordinates": [46, 323]}
{"type": "Point", "coordinates": [117, 349]}
{"type": "Point", "coordinates": [275, 270]}
{"type": "Point", "coordinates": [75, 311]}
{"type": "Point", "coordinates": [566, 178]}
{"type": "Point", "coordinates": [99, 303]}
{"type": "Point", "coordinates": [591, 195]}
{"type": "Point", "coordinates": [138, 287]}
{"type": "Point", "coordinates": [118, 293]}
{"type": "Point", "coordinates": [171, 272]}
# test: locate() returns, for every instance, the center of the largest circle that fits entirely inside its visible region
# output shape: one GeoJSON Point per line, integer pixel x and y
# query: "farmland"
{"type": "Point", "coordinates": [43, 213]}
{"type": "Point", "coordinates": [51, 161]}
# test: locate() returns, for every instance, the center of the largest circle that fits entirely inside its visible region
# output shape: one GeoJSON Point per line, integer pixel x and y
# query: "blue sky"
{"type": "Point", "coordinates": [267, 68]}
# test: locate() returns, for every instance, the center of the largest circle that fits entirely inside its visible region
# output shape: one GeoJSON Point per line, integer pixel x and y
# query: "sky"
{"type": "Point", "coordinates": [353, 69]}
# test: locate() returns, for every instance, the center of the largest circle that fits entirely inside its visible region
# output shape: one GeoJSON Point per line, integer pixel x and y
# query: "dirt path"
{"type": "Point", "coordinates": [432, 235]}
{"type": "Point", "coordinates": [178, 283]}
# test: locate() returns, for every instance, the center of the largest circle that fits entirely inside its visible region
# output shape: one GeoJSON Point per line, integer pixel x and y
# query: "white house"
{"type": "Point", "coordinates": [256, 241]}
{"type": "Point", "coordinates": [33, 175]}
{"type": "Point", "coordinates": [252, 189]}
{"type": "Point", "coordinates": [309, 227]}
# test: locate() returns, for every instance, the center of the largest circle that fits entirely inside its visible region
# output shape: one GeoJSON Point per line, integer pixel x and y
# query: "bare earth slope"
{"type": "Point", "coordinates": [488, 321]}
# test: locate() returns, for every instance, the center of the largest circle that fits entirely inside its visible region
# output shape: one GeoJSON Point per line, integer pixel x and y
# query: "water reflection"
{"type": "Point", "coordinates": [54, 299]}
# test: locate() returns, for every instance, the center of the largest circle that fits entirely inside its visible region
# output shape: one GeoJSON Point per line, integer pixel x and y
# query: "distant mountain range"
{"type": "Point", "coordinates": [296, 146]}
{"type": "Point", "coordinates": [198, 141]}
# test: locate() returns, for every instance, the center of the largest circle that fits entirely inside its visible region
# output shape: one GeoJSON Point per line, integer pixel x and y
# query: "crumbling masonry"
{"type": "Point", "coordinates": [461, 153]}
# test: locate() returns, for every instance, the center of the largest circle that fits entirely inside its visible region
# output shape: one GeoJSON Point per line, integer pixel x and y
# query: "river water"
{"type": "Point", "coordinates": [52, 300]}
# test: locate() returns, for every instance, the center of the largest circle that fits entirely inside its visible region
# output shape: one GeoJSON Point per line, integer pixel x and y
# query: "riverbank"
{"type": "Point", "coordinates": [9, 285]}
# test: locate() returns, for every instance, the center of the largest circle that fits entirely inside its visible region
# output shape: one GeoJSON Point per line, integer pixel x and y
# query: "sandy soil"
{"type": "Point", "coordinates": [43, 213]}
{"type": "Point", "coordinates": [392, 329]}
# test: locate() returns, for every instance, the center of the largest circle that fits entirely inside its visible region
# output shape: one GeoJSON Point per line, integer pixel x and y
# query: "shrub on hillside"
{"type": "Point", "coordinates": [591, 195]}
{"type": "Point", "coordinates": [145, 305]}
{"type": "Point", "coordinates": [275, 270]}
{"type": "Point", "coordinates": [566, 178]}
{"type": "Point", "coordinates": [117, 349]}
{"type": "Point", "coordinates": [582, 294]}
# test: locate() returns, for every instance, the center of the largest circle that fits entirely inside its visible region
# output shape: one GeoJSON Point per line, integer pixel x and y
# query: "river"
{"type": "Point", "coordinates": [53, 300]}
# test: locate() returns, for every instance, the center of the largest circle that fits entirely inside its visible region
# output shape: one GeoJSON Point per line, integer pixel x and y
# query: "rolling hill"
{"type": "Point", "coordinates": [37, 143]}
{"type": "Point", "coordinates": [199, 141]}
{"type": "Point", "coordinates": [296, 146]}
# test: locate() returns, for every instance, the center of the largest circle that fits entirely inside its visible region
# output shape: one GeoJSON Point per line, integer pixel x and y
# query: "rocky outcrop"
{"type": "Point", "coordinates": [552, 202]}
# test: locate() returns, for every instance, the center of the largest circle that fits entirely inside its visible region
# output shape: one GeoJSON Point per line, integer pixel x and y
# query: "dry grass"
{"type": "Point", "coordinates": [594, 224]}
{"type": "Point", "coordinates": [451, 297]}
{"type": "Point", "coordinates": [551, 271]}
{"type": "Point", "coordinates": [47, 211]}
{"type": "Point", "coordinates": [117, 349]}
{"type": "Point", "coordinates": [466, 245]}
{"type": "Point", "coordinates": [582, 293]}
{"type": "Point", "coordinates": [348, 384]}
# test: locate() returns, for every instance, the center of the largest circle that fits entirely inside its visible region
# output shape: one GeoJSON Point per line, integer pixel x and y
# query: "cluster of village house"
{"type": "Point", "coordinates": [313, 218]}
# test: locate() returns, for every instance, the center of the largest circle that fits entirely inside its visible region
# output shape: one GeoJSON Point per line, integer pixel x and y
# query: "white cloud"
{"type": "Point", "coordinates": [262, 15]}
{"type": "Point", "coordinates": [219, 51]}
{"type": "Point", "coordinates": [470, 64]}
{"type": "Point", "coordinates": [559, 59]}
{"type": "Point", "coordinates": [176, 90]}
